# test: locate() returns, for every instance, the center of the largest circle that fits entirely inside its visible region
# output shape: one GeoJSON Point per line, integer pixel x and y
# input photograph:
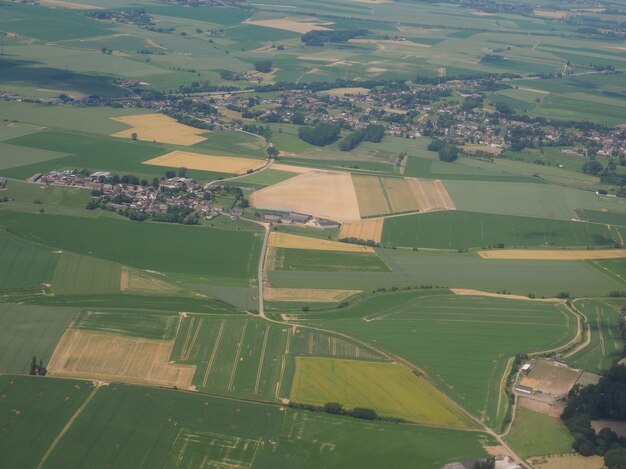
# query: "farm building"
{"type": "Point", "coordinates": [328, 224]}
{"type": "Point", "coordinates": [294, 217]}
{"type": "Point", "coordinates": [524, 389]}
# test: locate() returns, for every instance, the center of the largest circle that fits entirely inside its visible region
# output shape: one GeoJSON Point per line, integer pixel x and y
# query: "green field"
{"type": "Point", "coordinates": [27, 331]}
{"type": "Point", "coordinates": [76, 274]}
{"type": "Point", "coordinates": [462, 342]}
{"type": "Point", "coordinates": [463, 230]}
{"type": "Point", "coordinates": [327, 261]}
{"type": "Point", "coordinates": [25, 265]}
{"type": "Point", "coordinates": [536, 434]}
{"type": "Point", "coordinates": [185, 429]}
{"type": "Point", "coordinates": [606, 345]}
{"type": "Point", "coordinates": [33, 410]}
{"type": "Point", "coordinates": [388, 388]}
{"type": "Point", "coordinates": [131, 323]}
{"type": "Point", "coordinates": [210, 253]}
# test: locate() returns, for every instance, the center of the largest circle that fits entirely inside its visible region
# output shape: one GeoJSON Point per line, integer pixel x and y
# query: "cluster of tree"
{"type": "Point", "coordinates": [621, 322]}
{"type": "Point", "coordinates": [204, 87]}
{"type": "Point", "coordinates": [370, 133]}
{"type": "Point", "coordinates": [264, 132]}
{"type": "Point", "coordinates": [137, 16]}
{"type": "Point", "coordinates": [485, 77]}
{"type": "Point", "coordinates": [37, 369]}
{"type": "Point", "coordinates": [363, 242]}
{"type": "Point", "coordinates": [319, 37]}
{"type": "Point", "coordinates": [472, 102]}
{"type": "Point", "coordinates": [320, 135]}
{"type": "Point", "coordinates": [447, 151]}
{"type": "Point", "coordinates": [336, 408]}
{"type": "Point", "coordinates": [150, 52]}
{"type": "Point", "coordinates": [263, 66]}
{"type": "Point", "coordinates": [605, 400]}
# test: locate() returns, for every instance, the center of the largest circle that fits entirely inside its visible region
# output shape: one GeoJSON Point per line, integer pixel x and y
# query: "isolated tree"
{"type": "Point", "coordinates": [263, 66]}
{"type": "Point", "coordinates": [133, 136]}
{"type": "Point", "coordinates": [272, 152]}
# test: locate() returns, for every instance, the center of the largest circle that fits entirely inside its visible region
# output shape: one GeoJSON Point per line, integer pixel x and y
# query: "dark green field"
{"type": "Point", "coordinates": [464, 230]}
{"type": "Point", "coordinates": [25, 265]}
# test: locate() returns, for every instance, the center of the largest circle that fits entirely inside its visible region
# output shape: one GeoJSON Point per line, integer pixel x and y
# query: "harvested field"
{"type": "Point", "coordinates": [370, 196]}
{"type": "Point", "coordinates": [159, 128]}
{"type": "Point", "coordinates": [557, 15]}
{"type": "Point", "coordinates": [297, 25]}
{"type": "Point", "coordinates": [410, 195]}
{"type": "Point", "coordinates": [292, 169]}
{"type": "Point", "coordinates": [109, 357]}
{"type": "Point", "coordinates": [367, 230]}
{"type": "Point", "coordinates": [469, 292]}
{"type": "Point", "coordinates": [290, 241]}
{"type": "Point", "coordinates": [552, 255]}
{"type": "Point", "coordinates": [69, 5]}
{"type": "Point", "coordinates": [473, 148]}
{"type": "Point", "coordinates": [344, 91]}
{"type": "Point", "coordinates": [388, 42]}
{"type": "Point", "coordinates": [310, 295]}
{"type": "Point", "coordinates": [201, 162]}
{"type": "Point", "coordinates": [568, 462]}
{"type": "Point", "coordinates": [319, 193]}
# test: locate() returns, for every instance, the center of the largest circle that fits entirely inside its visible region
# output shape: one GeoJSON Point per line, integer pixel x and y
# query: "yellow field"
{"type": "Point", "coordinates": [344, 91]}
{"type": "Point", "coordinates": [370, 196]}
{"type": "Point", "coordinates": [469, 292]}
{"type": "Point", "coordinates": [309, 295]}
{"type": "Point", "coordinates": [408, 195]}
{"type": "Point", "coordinates": [290, 241]}
{"type": "Point", "coordinates": [388, 388]}
{"type": "Point", "coordinates": [367, 230]}
{"type": "Point", "coordinates": [202, 162]}
{"type": "Point", "coordinates": [550, 14]}
{"type": "Point", "coordinates": [557, 255]}
{"type": "Point", "coordinates": [109, 357]}
{"type": "Point", "coordinates": [69, 5]}
{"type": "Point", "coordinates": [319, 193]}
{"type": "Point", "coordinates": [297, 25]}
{"type": "Point", "coordinates": [159, 128]}
{"type": "Point", "coordinates": [292, 168]}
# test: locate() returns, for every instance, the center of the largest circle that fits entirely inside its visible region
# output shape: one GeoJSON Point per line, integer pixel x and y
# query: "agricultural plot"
{"type": "Point", "coordinates": [307, 295]}
{"type": "Point", "coordinates": [463, 343]}
{"type": "Point", "coordinates": [129, 323]}
{"type": "Point", "coordinates": [536, 434]}
{"type": "Point", "coordinates": [409, 195]}
{"type": "Point", "coordinates": [27, 331]}
{"type": "Point", "coordinates": [464, 230]}
{"type": "Point", "coordinates": [160, 128]}
{"type": "Point", "coordinates": [366, 230]}
{"type": "Point", "coordinates": [324, 261]}
{"type": "Point", "coordinates": [33, 411]}
{"type": "Point", "coordinates": [541, 254]}
{"type": "Point", "coordinates": [371, 196]}
{"type": "Point", "coordinates": [139, 281]}
{"type": "Point", "coordinates": [202, 162]}
{"type": "Point", "coordinates": [290, 241]}
{"type": "Point", "coordinates": [183, 429]}
{"type": "Point", "coordinates": [388, 388]}
{"type": "Point", "coordinates": [551, 379]}
{"type": "Point", "coordinates": [77, 274]}
{"type": "Point", "coordinates": [310, 343]}
{"type": "Point", "coordinates": [25, 265]}
{"type": "Point", "coordinates": [605, 344]}
{"type": "Point", "coordinates": [232, 256]}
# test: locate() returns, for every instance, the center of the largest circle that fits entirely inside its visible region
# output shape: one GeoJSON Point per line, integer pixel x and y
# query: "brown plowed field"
{"type": "Point", "coordinates": [109, 357]}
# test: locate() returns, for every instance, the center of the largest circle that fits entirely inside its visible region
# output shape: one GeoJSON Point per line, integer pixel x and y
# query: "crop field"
{"type": "Point", "coordinates": [371, 196]}
{"type": "Point", "coordinates": [407, 195]}
{"type": "Point", "coordinates": [231, 255]}
{"type": "Point", "coordinates": [202, 162]}
{"type": "Point", "coordinates": [463, 343]}
{"type": "Point", "coordinates": [27, 331]}
{"type": "Point", "coordinates": [366, 230]}
{"type": "Point", "coordinates": [388, 388]}
{"type": "Point", "coordinates": [160, 128]}
{"type": "Point", "coordinates": [464, 230]}
{"type": "Point", "coordinates": [463, 270]}
{"type": "Point", "coordinates": [25, 265]}
{"type": "Point", "coordinates": [290, 241]}
{"type": "Point", "coordinates": [307, 294]}
{"type": "Point", "coordinates": [83, 274]}
{"type": "Point", "coordinates": [324, 261]}
{"type": "Point", "coordinates": [541, 254]}
{"type": "Point", "coordinates": [536, 434]}
{"type": "Point", "coordinates": [605, 345]}
{"type": "Point", "coordinates": [33, 411]}
{"type": "Point", "coordinates": [130, 323]}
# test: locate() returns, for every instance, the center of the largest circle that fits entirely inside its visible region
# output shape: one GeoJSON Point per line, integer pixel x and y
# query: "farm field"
{"type": "Point", "coordinates": [605, 345]}
{"type": "Point", "coordinates": [33, 411]}
{"type": "Point", "coordinates": [462, 343]}
{"type": "Point", "coordinates": [388, 388]}
{"type": "Point", "coordinates": [201, 162]}
{"type": "Point", "coordinates": [324, 261]}
{"type": "Point", "coordinates": [76, 274]}
{"type": "Point", "coordinates": [290, 241]}
{"type": "Point", "coordinates": [465, 230]}
{"type": "Point", "coordinates": [536, 434]}
{"type": "Point", "coordinates": [159, 128]}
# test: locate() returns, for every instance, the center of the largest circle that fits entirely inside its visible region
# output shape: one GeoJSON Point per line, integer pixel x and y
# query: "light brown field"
{"type": "Point", "coordinates": [408, 195]}
{"type": "Point", "coordinates": [481, 13]}
{"type": "Point", "coordinates": [370, 196]}
{"type": "Point", "coordinates": [473, 148]}
{"type": "Point", "coordinates": [389, 42]}
{"type": "Point", "coordinates": [470, 292]}
{"type": "Point", "coordinates": [550, 14]}
{"type": "Point", "coordinates": [159, 128]}
{"type": "Point", "coordinates": [297, 25]}
{"type": "Point", "coordinates": [344, 91]}
{"type": "Point", "coordinates": [551, 408]}
{"type": "Point", "coordinates": [69, 5]}
{"type": "Point", "coordinates": [109, 357]}
{"type": "Point", "coordinates": [310, 295]}
{"type": "Point", "coordinates": [568, 462]}
{"type": "Point", "coordinates": [533, 90]}
{"type": "Point", "coordinates": [556, 255]}
{"type": "Point", "coordinates": [617, 426]}
{"type": "Point", "coordinates": [133, 280]}
{"type": "Point", "coordinates": [290, 241]}
{"type": "Point", "coordinates": [319, 193]}
{"type": "Point", "coordinates": [367, 230]}
{"type": "Point", "coordinates": [292, 168]}
{"type": "Point", "coordinates": [199, 161]}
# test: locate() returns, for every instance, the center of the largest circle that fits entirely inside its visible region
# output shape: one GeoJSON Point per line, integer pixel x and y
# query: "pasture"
{"type": "Point", "coordinates": [462, 343]}
{"type": "Point", "coordinates": [388, 388]}
{"type": "Point", "coordinates": [537, 434]}
{"type": "Point", "coordinates": [33, 411]}
{"type": "Point", "coordinates": [27, 331]}
{"type": "Point", "coordinates": [466, 230]}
